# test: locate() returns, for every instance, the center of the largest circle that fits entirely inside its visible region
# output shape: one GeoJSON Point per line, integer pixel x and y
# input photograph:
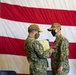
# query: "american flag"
{"type": "Point", "coordinates": [17, 15]}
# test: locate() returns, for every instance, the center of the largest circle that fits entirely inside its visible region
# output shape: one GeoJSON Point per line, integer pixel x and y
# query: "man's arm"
{"type": "Point", "coordinates": [40, 50]}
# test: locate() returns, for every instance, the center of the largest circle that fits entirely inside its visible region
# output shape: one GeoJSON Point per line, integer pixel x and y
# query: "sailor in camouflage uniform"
{"type": "Point", "coordinates": [36, 55]}
{"type": "Point", "coordinates": [59, 59]}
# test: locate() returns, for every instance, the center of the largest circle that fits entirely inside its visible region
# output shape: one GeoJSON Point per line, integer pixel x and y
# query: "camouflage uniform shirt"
{"type": "Point", "coordinates": [60, 56]}
{"type": "Point", "coordinates": [36, 56]}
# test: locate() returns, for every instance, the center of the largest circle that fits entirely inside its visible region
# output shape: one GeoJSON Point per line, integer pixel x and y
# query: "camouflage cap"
{"type": "Point", "coordinates": [54, 25]}
{"type": "Point", "coordinates": [34, 27]}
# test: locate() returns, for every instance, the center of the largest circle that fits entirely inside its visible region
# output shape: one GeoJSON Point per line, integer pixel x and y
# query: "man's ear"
{"type": "Point", "coordinates": [34, 32]}
{"type": "Point", "coordinates": [58, 28]}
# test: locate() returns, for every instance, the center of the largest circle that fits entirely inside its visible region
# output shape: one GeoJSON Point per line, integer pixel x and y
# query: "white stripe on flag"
{"type": "Point", "coordinates": [53, 4]}
{"type": "Point", "coordinates": [19, 30]}
{"type": "Point", "coordinates": [20, 64]}
{"type": "Point", "coordinates": [14, 62]}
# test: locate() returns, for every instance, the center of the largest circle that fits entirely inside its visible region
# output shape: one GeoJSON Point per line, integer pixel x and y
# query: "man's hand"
{"type": "Point", "coordinates": [60, 69]}
{"type": "Point", "coordinates": [52, 50]}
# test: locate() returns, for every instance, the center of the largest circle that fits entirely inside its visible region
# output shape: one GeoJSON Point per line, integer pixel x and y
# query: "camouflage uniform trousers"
{"type": "Point", "coordinates": [37, 71]}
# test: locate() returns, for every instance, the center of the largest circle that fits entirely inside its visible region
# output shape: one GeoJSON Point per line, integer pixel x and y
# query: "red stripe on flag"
{"type": "Point", "coordinates": [16, 47]}
{"type": "Point", "coordinates": [11, 46]}
{"type": "Point", "coordinates": [37, 15]}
